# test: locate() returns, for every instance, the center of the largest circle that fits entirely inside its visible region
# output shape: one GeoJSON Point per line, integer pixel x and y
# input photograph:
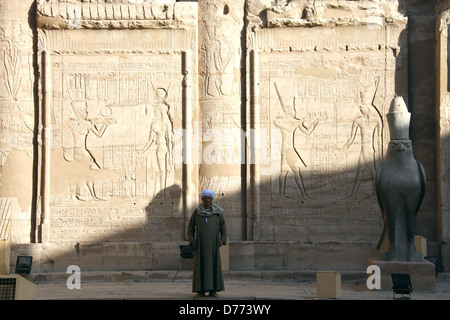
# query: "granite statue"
{"type": "Point", "coordinates": [400, 186]}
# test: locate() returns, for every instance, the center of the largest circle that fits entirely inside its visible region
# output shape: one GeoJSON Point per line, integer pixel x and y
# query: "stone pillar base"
{"type": "Point", "coordinates": [422, 274]}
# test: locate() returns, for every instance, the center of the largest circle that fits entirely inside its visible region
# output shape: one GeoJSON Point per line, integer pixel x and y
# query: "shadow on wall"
{"type": "Point", "coordinates": [327, 230]}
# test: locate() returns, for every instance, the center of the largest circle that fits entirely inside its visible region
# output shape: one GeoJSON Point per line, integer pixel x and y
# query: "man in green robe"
{"type": "Point", "coordinates": [207, 232]}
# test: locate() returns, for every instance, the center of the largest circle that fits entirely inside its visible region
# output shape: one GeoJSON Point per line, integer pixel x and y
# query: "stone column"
{"type": "Point", "coordinates": [443, 130]}
{"type": "Point", "coordinates": [191, 176]}
{"type": "Point", "coordinates": [46, 143]}
{"type": "Point", "coordinates": [220, 104]}
{"type": "Point", "coordinates": [254, 152]}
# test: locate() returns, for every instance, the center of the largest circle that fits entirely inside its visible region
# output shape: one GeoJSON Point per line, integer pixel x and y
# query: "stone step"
{"type": "Point", "coordinates": [287, 276]}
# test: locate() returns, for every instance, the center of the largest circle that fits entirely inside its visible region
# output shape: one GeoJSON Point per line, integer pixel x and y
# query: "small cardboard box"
{"type": "Point", "coordinates": [5, 256]}
{"type": "Point", "coordinates": [421, 245]}
{"type": "Point", "coordinates": [328, 284]}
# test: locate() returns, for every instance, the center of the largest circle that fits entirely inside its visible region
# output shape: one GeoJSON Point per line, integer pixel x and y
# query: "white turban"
{"type": "Point", "coordinates": [207, 193]}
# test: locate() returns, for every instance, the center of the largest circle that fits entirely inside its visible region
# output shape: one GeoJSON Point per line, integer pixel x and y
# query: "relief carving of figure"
{"type": "Point", "coordinates": [217, 55]}
{"type": "Point", "coordinates": [161, 134]}
{"type": "Point", "coordinates": [370, 126]}
{"type": "Point", "coordinates": [80, 126]}
{"type": "Point", "coordinates": [288, 123]}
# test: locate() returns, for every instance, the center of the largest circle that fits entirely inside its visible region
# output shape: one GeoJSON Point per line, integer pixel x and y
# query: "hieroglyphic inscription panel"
{"type": "Point", "coordinates": [105, 109]}
{"type": "Point", "coordinates": [117, 127]}
{"type": "Point", "coordinates": [316, 122]}
{"type": "Point", "coordinates": [323, 95]}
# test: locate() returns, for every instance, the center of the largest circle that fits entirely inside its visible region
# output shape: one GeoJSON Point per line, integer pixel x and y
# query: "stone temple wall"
{"type": "Point", "coordinates": [115, 114]}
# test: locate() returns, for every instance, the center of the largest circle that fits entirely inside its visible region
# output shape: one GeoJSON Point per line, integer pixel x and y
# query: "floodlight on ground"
{"type": "Point", "coordinates": [23, 265]}
{"type": "Point", "coordinates": [186, 252]}
{"type": "Point", "coordinates": [401, 284]}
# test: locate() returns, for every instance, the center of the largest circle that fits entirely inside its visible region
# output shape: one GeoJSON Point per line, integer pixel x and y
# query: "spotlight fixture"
{"type": "Point", "coordinates": [401, 285]}
{"type": "Point", "coordinates": [23, 265]}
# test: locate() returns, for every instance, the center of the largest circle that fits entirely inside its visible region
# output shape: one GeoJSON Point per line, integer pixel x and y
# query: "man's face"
{"type": "Point", "coordinates": [207, 200]}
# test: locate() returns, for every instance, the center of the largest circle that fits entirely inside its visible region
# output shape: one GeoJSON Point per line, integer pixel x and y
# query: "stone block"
{"type": "Point", "coordinates": [422, 274]}
{"type": "Point", "coordinates": [242, 255]}
{"type": "Point", "coordinates": [165, 255]}
{"type": "Point", "coordinates": [127, 256]}
{"type": "Point", "coordinates": [328, 284]}
{"type": "Point", "coordinates": [91, 256]}
{"type": "Point", "coordinates": [299, 255]}
{"type": "Point", "coordinates": [421, 245]}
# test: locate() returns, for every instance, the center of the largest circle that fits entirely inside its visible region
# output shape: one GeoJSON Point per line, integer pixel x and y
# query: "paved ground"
{"type": "Point", "coordinates": [261, 295]}
{"type": "Point", "coordinates": [181, 290]}
{"type": "Point", "coordinates": [177, 286]}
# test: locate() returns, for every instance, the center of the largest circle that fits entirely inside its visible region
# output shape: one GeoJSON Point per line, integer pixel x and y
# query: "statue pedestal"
{"type": "Point", "coordinates": [421, 273]}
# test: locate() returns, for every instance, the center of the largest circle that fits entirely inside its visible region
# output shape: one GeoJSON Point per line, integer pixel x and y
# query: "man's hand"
{"type": "Point", "coordinates": [195, 245]}
{"type": "Point", "coordinates": [220, 243]}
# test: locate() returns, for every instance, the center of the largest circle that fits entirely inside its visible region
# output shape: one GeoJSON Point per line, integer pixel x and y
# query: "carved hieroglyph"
{"type": "Point", "coordinates": [322, 78]}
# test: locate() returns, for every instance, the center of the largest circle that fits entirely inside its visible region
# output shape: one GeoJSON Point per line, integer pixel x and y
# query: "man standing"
{"type": "Point", "coordinates": [207, 232]}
